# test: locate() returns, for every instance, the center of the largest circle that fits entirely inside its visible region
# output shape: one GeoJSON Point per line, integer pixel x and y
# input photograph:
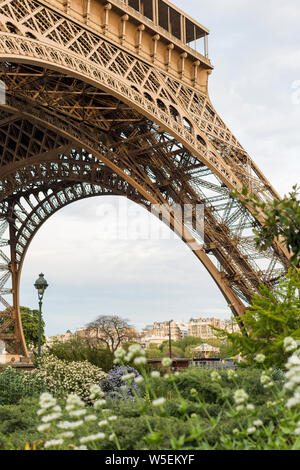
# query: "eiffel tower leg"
{"type": "Point", "coordinates": [19, 339]}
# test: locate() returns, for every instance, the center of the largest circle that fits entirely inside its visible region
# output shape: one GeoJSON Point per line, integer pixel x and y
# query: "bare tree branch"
{"type": "Point", "coordinates": [110, 330]}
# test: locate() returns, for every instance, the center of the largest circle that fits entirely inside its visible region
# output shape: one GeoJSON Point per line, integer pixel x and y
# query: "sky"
{"type": "Point", "coordinates": [255, 87]}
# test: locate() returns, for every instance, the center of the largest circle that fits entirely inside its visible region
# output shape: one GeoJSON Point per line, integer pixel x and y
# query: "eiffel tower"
{"type": "Point", "coordinates": [102, 98]}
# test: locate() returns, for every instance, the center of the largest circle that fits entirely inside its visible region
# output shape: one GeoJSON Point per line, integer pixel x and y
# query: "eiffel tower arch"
{"type": "Point", "coordinates": [111, 98]}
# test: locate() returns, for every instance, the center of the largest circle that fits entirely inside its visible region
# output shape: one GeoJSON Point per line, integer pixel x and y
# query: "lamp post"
{"type": "Point", "coordinates": [40, 285]}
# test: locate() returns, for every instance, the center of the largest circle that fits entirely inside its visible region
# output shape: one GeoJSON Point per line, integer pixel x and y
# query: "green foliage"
{"type": "Point", "coordinates": [78, 350]}
{"type": "Point", "coordinates": [273, 316]}
{"type": "Point", "coordinates": [18, 424]}
{"type": "Point", "coordinates": [153, 352]}
{"type": "Point", "coordinates": [63, 377]}
{"type": "Point", "coordinates": [181, 347]}
{"type": "Point", "coordinates": [30, 322]}
{"type": "Point", "coordinates": [209, 391]}
{"type": "Point", "coordinates": [281, 219]}
{"type": "Point", "coordinates": [199, 413]}
{"type": "Point", "coordinates": [16, 384]}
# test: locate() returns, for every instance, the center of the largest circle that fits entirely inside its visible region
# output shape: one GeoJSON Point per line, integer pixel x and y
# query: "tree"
{"type": "Point", "coordinates": [176, 351]}
{"type": "Point", "coordinates": [110, 330]}
{"type": "Point", "coordinates": [30, 322]}
{"type": "Point", "coordinates": [281, 220]}
{"type": "Point", "coordinates": [273, 316]}
{"type": "Point", "coordinates": [152, 352]}
{"type": "Point", "coordinates": [181, 347]}
{"type": "Point", "coordinates": [274, 313]}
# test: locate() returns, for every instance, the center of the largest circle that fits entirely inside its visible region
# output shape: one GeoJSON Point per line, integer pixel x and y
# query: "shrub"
{"type": "Point", "coordinates": [115, 387]}
{"type": "Point", "coordinates": [208, 390]}
{"type": "Point", "coordinates": [16, 384]}
{"type": "Point", "coordinates": [62, 377]}
{"type": "Point", "coordinates": [18, 424]}
{"type": "Point", "coordinates": [78, 350]}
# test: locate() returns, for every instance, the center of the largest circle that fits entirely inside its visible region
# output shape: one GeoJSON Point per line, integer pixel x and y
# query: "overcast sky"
{"type": "Point", "coordinates": [255, 48]}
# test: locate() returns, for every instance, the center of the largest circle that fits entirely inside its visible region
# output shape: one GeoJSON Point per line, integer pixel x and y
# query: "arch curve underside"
{"type": "Point", "coordinates": [65, 137]}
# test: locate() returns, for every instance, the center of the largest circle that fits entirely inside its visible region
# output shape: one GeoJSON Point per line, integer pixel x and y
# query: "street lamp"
{"type": "Point", "coordinates": [40, 285]}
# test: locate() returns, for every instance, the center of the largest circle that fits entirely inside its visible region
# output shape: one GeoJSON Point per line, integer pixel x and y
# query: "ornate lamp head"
{"type": "Point", "coordinates": [41, 285]}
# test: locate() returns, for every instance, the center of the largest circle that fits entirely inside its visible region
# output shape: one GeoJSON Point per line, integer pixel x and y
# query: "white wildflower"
{"type": "Point", "coordinates": [136, 348]}
{"type": "Point", "coordinates": [140, 360]}
{"type": "Point", "coordinates": [265, 380]}
{"type": "Point", "coordinates": [290, 345]}
{"type": "Point", "coordinates": [53, 443]}
{"type": "Point", "coordinates": [69, 407]}
{"type": "Point", "coordinates": [74, 399]}
{"type": "Point", "coordinates": [231, 374]}
{"type": "Point", "coordinates": [43, 427]}
{"type": "Point", "coordinates": [240, 396]}
{"type": "Point", "coordinates": [46, 397]}
{"type": "Point", "coordinates": [90, 418]}
{"type": "Point", "coordinates": [215, 376]}
{"type": "Point", "coordinates": [251, 430]}
{"type": "Point", "coordinates": [112, 418]}
{"type": "Point", "coordinates": [120, 353]}
{"type": "Point", "coordinates": [294, 401]}
{"type": "Point", "coordinates": [166, 362]}
{"type": "Point", "coordinates": [260, 358]}
{"type": "Point", "coordinates": [66, 435]}
{"type": "Point", "coordinates": [69, 424]}
{"type": "Point", "coordinates": [77, 413]}
{"type": "Point", "coordinates": [139, 379]}
{"type": "Point", "coordinates": [56, 408]}
{"type": "Point", "coordinates": [51, 417]}
{"type": "Point", "coordinates": [102, 423]}
{"type": "Point", "coordinates": [99, 403]}
{"type": "Point", "coordinates": [155, 374]}
{"type": "Point", "coordinates": [293, 361]}
{"type": "Point", "coordinates": [258, 423]}
{"type": "Point", "coordinates": [159, 402]}
{"type": "Point", "coordinates": [92, 437]}
{"type": "Point", "coordinates": [127, 377]}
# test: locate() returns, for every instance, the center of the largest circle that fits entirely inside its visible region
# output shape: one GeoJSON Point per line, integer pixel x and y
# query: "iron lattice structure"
{"type": "Point", "coordinates": [101, 100]}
